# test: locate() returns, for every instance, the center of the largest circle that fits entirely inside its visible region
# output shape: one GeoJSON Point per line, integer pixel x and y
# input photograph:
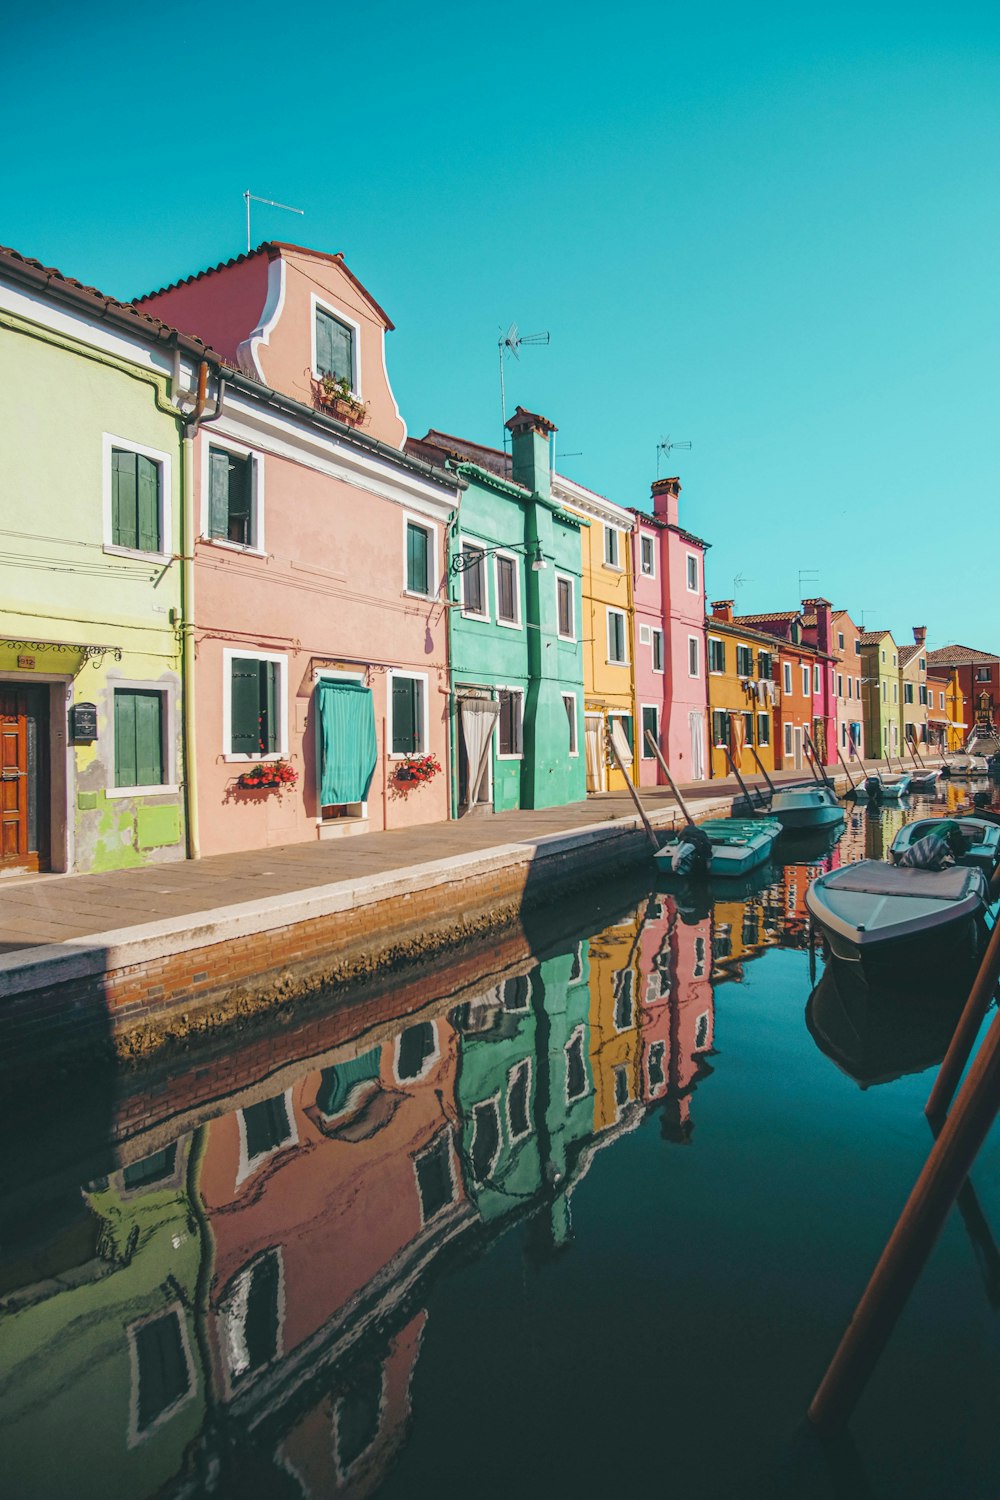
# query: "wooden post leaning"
{"type": "Point", "coordinates": [635, 796]}
{"type": "Point", "coordinates": [650, 741]}
{"type": "Point", "coordinates": [912, 1240]}
{"type": "Point", "coordinates": [966, 1030]}
{"type": "Point", "coordinates": [847, 770]}
{"type": "Point", "coordinates": [763, 769]}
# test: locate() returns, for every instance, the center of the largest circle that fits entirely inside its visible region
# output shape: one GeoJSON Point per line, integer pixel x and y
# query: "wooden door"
{"type": "Point", "coordinates": [24, 779]}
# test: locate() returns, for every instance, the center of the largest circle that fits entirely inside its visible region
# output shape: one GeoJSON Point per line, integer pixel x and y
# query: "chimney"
{"type": "Point", "coordinates": [919, 634]}
{"type": "Point", "coordinates": [823, 610]}
{"type": "Point", "coordinates": [722, 609]}
{"type": "Point", "coordinates": [666, 500]}
{"type": "Point", "coordinates": [531, 459]}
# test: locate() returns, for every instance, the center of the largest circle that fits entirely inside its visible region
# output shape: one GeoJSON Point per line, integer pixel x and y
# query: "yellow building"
{"type": "Point", "coordinates": [741, 693]}
{"type": "Point", "coordinates": [606, 631]}
{"type": "Point", "coordinates": [615, 1035]}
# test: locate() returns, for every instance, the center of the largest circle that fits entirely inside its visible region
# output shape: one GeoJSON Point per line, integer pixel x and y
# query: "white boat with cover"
{"type": "Point", "coordinates": [871, 909]}
{"type": "Point", "coordinates": [738, 845]}
{"type": "Point", "coordinates": [805, 807]}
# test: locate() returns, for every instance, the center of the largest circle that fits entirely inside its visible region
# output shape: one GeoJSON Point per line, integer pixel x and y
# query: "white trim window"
{"type": "Point", "coordinates": [569, 704]}
{"type": "Point", "coordinates": [691, 571]}
{"type": "Point", "coordinates": [716, 654]}
{"type": "Point", "coordinates": [786, 676]}
{"type": "Point", "coordinates": [806, 676]}
{"type": "Point", "coordinates": [507, 586]}
{"type": "Point", "coordinates": [162, 1370]}
{"type": "Point", "coordinates": [647, 556]}
{"type": "Point", "coordinates": [817, 678]}
{"type": "Point", "coordinates": [232, 496]}
{"type": "Point", "coordinates": [649, 718]}
{"type": "Point", "coordinates": [617, 638]}
{"type": "Point", "coordinates": [510, 724]}
{"type": "Point", "coordinates": [475, 590]}
{"type": "Point", "coordinates": [788, 739]}
{"type": "Point", "coordinates": [254, 705]}
{"type": "Point", "coordinates": [565, 607]}
{"type": "Point", "coordinates": [487, 1138]}
{"type": "Point", "coordinates": [407, 700]}
{"type": "Point", "coordinates": [434, 1169]}
{"type": "Point", "coordinates": [763, 729]}
{"type": "Point", "coordinates": [142, 738]}
{"type": "Point", "coordinates": [420, 543]}
{"type": "Point", "coordinates": [417, 1050]}
{"type": "Point", "coordinates": [266, 1127]}
{"type": "Point", "coordinates": [336, 344]}
{"type": "Point", "coordinates": [612, 547]}
{"type": "Point", "coordinates": [577, 1083]}
{"type": "Point", "coordinates": [519, 1100]}
{"type": "Point", "coordinates": [657, 645]}
{"type": "Point", "coordinates": [694, 656]}
{"type": "Point", "coordinates": [136, 499]}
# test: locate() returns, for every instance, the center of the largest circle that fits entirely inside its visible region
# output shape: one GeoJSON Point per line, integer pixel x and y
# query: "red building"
{"type": "Point", "coordinates": [979, 679]}
{"type": "Point", "coordinates": [805, 699]}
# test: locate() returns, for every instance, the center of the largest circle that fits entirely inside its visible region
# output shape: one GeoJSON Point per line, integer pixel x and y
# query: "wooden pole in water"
{"type": "Point", "coordinates": [763, 769]}
{"type": "Point", "coordinates": [634, 795]}
{"type": "Point", "coordinates": [742, 784]}
{"type": "Point", "coordinates": [912, 1240]}
{"type": "Point", "coordinates": [651, 742]}
{"type": "Point", "coordinates": [967, 1030]}
{"type": "Point", "coordinates": [847, 771]}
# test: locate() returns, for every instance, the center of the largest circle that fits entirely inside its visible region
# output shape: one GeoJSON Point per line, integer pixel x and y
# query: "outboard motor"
{"type": "Point", "coordinates": [693, 852]}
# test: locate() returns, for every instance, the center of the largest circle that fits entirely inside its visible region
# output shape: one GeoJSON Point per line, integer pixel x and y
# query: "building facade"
{"type": "Point", "coordinates": [847, 670]}
{"type": "Point", "coordinates": [978, 679]}
{"type": "Point", "coordinates": [880, 685]}
{"type": "Point", "coordinates": [742, 694]}
{"type": "Point", "coordinates": [914, 706]}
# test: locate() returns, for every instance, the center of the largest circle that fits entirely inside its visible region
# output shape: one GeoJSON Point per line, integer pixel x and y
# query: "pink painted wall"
{"type": "Point", "coordinates": [685, 616]}
{"type": "Point", "coordinates": [650, 686]}
{"type": "Point", "coordinates": [220, 307]}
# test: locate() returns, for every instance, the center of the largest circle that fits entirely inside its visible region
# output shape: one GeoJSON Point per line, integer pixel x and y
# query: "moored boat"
{"type": "Point", "coordinates": [980, 840]}
{"type": "Point", "coordinates": [738, 845]}
{"type": "Point", "coordinates": [871, 911]}
{"type": "Point", "coordinates": [924, 781]}
{"type": "Point", "coordinates": [805, 807]}
{"type": "Point", "coordinates": [890, 787]}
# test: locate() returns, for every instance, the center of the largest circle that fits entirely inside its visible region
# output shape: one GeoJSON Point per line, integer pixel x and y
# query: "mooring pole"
{"type": "Point", "coordinates": [967, 1029]}
{"type": "Point", "coordinates": [634, 795]}
{"type": "Point", "coordinates": [847, 772]}
{"type": "Point", "coordinates": [651, 742]}
{"type": "Point", "coordinates": [742, 784]}
{"type": "Point", "coordinates": [912, 1240]}
{"type": "Point", "coordinates": [763, 769]}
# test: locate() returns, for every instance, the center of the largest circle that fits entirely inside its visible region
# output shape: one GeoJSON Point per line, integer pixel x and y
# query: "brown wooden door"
{"type": "Point", "coordinates": [23, 778]}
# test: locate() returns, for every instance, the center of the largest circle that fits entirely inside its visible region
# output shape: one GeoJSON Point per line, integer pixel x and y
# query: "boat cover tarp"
{"type": "Point", "coordinates": [873, 878]}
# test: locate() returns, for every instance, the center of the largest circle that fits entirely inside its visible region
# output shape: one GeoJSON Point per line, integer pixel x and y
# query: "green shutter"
{"type": "Point", "coordinates": [245, 707]}
{"type": "Point", "coordinates": [404, 716]}
{"type": "Point", "coordinates": [124, 531]}
{"type": "Point", "coordinates": [417, 571]}
{"type": "Point", "coordinates": [148, 503]}
{"type": "Point", "coordinates": [218, 493]}
{"type": "Point", "coordinates": [239, 527]}
{"type": "Point", "coordinates": [149, 739]}
{"type": "Point", "coordinates": [269, 713]}
{"type": "Point", "coordinates": [334, 348]}
{"type": "Point", "coordinates": [125, 766]}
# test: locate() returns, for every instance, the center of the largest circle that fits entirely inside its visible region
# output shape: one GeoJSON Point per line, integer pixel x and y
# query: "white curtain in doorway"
{"type": "Point", "coordinates": [593, 735]}
{"type": "Point", "coordinates": [478, 716]}
{"type": "Point", "coordinates": [696, 723]}
{"type": "Point", "coordinates": [621, 743]}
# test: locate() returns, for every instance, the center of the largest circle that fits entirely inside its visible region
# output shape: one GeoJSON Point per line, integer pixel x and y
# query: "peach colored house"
{"type": "Point", "coordinates": [319, 576]}
{"type": "Point", "coordinates": [668, 567]}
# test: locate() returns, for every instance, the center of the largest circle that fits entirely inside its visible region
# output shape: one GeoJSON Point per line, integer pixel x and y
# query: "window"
{"type": "Point", "coordinates": [788, 739]}
{"type": "Point", "coordinates": [418, 559]}
{"type": "Point", "coordinates": [817, 679]}
{"type": "Point", "coordinates": [162, 1370]}
{"type": "Point", "coordinates": [136, 501]}
{"type": "Point", "coordinates": [657, 650]}
{"type": "Point", "coordinates": [692, 573]}
{"type": "Point", "coordinates": [716, 655]}
{"type": "Point", "coordinates": [922, 664]}
{"type": "Point", "coordinates": [621, 1087]}
{"type": "Point", "coordinates": [232, 492]}
{"type": "Point", "coordinates": [416, 1049]}
{"type": "Point", "coordinates": [408, 714]}
{"type": "Point", "coordinates": [485, 1139]}
{"type": "Point", "coordinates": [473, 580]}
{"type": "Point", "coordinates": [941, 697]}
{"type": "Point", "coordinates": [885, 692]}
{"type": "Point", "coordinates": [744, 661]}
{"type": "Point", "coordinates": [519, 1099]}
{"type": "Point", "coordinates": [267, 1126]}
{"type": "Point", "coordinates": [982, 674]}
{"type": "Point", "coordinates": [509, 729]}
{"type": "Point", "coordinates": [508, 604]}
{"type": "Point", "coordinates": [358, 1416]}
{"type": "Point", "coordinates": [576, 1067]}
{"type": "Point", "coordinates": [334, 348]}
{"type": "Point", "coordinates": [895, 692]}
{"type": "Point", "coordinates": [805, 681]}
{"type": "Point", "coordinates": [564, 608]}
{"type": "Point", "coordinates": [256, 704]}
{"type": "Point", "coordinates": [515, 994]}
{"type": "Point", "coordinates": [251, 1316]}
{"type": "Point", "coordinates": [694, 657]}
{"type": "Point", "coordinates": [610, 547]}
{"type": "Point", "coordinates": [139, 725]}
{"type": "Point", "coordinates": [840, 642]}
{"type": "Point", "coordinates": [569, 704]}
{"type": "Point", "coordinates": [850, 685]}
{"type": "Point", "coordinates": [616, 637]}
{"type": "Point", "coordinates": [763, 729]}
{"type": "Point", "coordinates": [701, 1030]}
{"type": "Point", "coordinates": [647, 556]}
{"type": "Point", "coordinates": [720, 727]}
{"type": "Point", "coordinates": [650, 723]}
{"type": "Point", "coordinates": [907, 692]}
{"type": "Point", "coordinates": [657, 1077]}
{"type": "Point", "coordinates": [857, 648]}
{"type": "Point", "coordinates": [434, 1179]}
{"type": "Point", "coordinates": [151, 1168]}
{"type": "Point", "coordinates": [786, 672]}
{"type": "Point", "coordinates": [840, 684]}
{"type": "Point", "coordinates": [747, 728]}
{"type": "Point", "coordinates": [624, 988]}
{"type": "Point", "coordinates": [883, 658]}
{"type": "Point", "coordinates": [924, 697]}
{"type": "Point", "coordinates": [765, 666]}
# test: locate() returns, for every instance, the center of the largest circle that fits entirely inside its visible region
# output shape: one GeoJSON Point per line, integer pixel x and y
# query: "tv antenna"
{"type": "Point", "coordinates": [510, 343]}
{"type": "Point", "coordinates": [807, 575]}
{"type": "Point", "coordinates": [666, 446]}
{"type": "Point", "coordinates": [738, 583]}
{"type": "Point", "coordinates": [249, 198]}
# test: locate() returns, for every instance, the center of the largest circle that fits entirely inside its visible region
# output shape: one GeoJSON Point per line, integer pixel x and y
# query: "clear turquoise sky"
{"type": "Point", "coordinates": [769, 229]}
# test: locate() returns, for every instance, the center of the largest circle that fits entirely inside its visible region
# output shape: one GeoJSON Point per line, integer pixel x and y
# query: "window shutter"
{"type": "Point", "coordinates": [125, 761]}
{"type": "Point", "coordinates": [334, 348]}
{"type": "Point", "coordinates": [123, 499]}
{"type": "Point", "coordinates": [269, 707]}
{"type": "Point", "coordinates": [417, 572]}
{"type": "Point", "coordinates": [240, 523]}
{"type": "Point", "coordinates": [324, 344]}
{"type": "Point", "coordinates": [148, 493]}
{"type": "Point", "coordinates": [403, 716]}
{"type": "Point", "coordinates": [245, 707]}
{"type": "Point", "coordinates": [148, 738]}
{"type": "Point", "coordinates": [218, 493]}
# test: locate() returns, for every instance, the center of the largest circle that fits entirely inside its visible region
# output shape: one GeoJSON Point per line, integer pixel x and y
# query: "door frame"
{"type": "Point", "coordinates": [62, 777]}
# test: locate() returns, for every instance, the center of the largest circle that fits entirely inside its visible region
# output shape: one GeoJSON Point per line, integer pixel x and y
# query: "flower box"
{"type": "Point", "coordinates": [267, 775]}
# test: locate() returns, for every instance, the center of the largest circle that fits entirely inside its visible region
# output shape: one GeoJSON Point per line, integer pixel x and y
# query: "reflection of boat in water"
{"type": "Point", "coordinates": [694, 898]}
{"type": "Point", "coordinates": [738, 845]}
{"type": "Point", "coordinates": [876, 1033]}
{"type": "Point", "coordinates": [980, 839]}
{"type": "Point", "coordinates": [872, 911]}
{"type": "Point", "coordinates": [806, 846]}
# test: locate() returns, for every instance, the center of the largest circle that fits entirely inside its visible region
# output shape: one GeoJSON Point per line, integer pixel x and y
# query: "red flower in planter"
{"type": "Point", "coordinates": [267, 774]}
{"type": "Point", "coordinates": [416, 769]}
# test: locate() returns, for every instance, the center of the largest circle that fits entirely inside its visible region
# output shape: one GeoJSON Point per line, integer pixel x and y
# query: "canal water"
{"type": "Point", "coordinates": [589, 1224]}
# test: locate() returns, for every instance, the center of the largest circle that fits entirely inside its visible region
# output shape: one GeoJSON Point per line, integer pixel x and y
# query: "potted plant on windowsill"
{"type": "Point", "coordinates": [334, 396]}
{"type": "Point", "coordinates": [415, 770]}
{"type": "Point", "coordinates": [267, 775]}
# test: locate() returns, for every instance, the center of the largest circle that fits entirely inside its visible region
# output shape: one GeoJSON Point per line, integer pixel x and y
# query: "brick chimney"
{"type": "Point", "coordinates": [531, 459]}
{"type": "Point", "coordinates": [666, 500]}
{"type": "Point", "coordinates": [919, 634]}
{"type": "Point", "coordinates": [823, 610]}
{"type": "Point", "coordinates": [722, 609]}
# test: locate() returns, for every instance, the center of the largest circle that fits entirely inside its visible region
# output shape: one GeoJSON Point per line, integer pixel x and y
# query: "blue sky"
{"type": "Point", "coordinates": [768, 229]}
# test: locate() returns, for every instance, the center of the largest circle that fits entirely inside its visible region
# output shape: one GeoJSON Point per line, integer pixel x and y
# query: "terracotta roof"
{"type": "Point", "coordinates": [907, 653]}
{"type": "Point", "coordinates": [88, 298]}
{"type": "Point", "coordinates": [273, 249]}
{"type": "Point", "coordinates": [960, 656]}
{"type": "Point", "coordinates": [781, 614]}
{"type": "Point", "coordinates": [809, 620]}
{"type": "Point", "coordinates": [872, 637]}
{"type": "Point", "coordinates": [464, 451]}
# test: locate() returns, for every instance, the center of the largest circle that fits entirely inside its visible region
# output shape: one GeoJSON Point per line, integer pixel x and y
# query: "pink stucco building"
{"type": "Point", "coordinates": [668, 565]}
{"type": "Point", "coordinates": [319, 601]}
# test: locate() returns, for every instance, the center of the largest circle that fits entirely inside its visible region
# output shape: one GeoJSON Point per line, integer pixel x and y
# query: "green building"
{"type": "Point", "coordinates": [880, 688]}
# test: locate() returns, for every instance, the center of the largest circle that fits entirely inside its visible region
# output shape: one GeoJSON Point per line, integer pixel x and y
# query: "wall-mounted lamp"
{"type": "Point", "coordinates": [471, 554]}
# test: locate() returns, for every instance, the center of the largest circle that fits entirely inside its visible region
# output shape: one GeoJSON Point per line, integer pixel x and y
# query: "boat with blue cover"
{"type": "Point", "coordinates": [872, 911]}
{"type": "Point", "coordinates": [738, 845]}
{"type": "Point", "coordinates": [801, 807]}
{"type": "Point", "coordinates": [980, 840]}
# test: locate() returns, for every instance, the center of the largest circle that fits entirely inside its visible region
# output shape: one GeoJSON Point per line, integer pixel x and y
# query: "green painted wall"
{"type": "Point", "coordinates": [882, 708]}
{"type": "Point", "coordinates": [60, 583]}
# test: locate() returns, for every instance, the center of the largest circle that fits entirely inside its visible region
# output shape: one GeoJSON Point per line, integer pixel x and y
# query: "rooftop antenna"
{"type": "Point", "coordinates": [510, 343]}
{"type": "Point", "coordinates": [665, 446]}
{"type": "Point", "coordinates": [807, 575]}
{"type": "Point", "coordinates": [249, 198]}
{"type": "Point", "coordinates": [738, 583]}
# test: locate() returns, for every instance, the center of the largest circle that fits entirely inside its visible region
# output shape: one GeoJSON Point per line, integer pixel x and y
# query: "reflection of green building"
{"type": "Point", "coordinates": [99, 1347]}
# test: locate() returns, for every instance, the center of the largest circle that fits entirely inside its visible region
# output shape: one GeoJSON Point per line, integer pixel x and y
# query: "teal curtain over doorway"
{"type": "Point", "coordinates": [347, 745]}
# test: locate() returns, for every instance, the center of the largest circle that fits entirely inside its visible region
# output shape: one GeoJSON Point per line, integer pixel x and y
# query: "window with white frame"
{"type": "Point", "coordinates": [137, 508]}
{"type": "Point", "coordinates": [817, 678]}
{"type": "Point", "coordinates": [576, 1066]}
{"type": "Point", "coordinates": [716, 654]}
{"type": "Point", "coordinates": [617, 639]}
{"type": "Point", "coordinates": [786, 676]}
{"type": "Point", "coordinates": [250, 1315]}
{"type": "Point", "coordinates": [565, 612]}
{"type": "Point", "coordinates": [510, 726]}
{"type": "Point", "coordinates": [474, 601]}
{"type": "Point", "coordinates": [850, 687]}
{"type": "Point", "coordinates": [336, 353]}
{"type": "Point", "coordinates": [255, 708]}
{"type": "Point", "coordinates": [407, 713]}
{"type": "Point", "coordinates": [840, 643]}
{"type": "Point", "coordinates": [657, 650]}
{"type": "Point", "coordinates": [692, 573]}
{"type": "Point", "coordinates": [647, 556]}
{"type": "Point", "coordinates": [419, 559]}
{"type": "Point", "coordinates": [611, 547]}
{"type": "Point", "coordinates": [805, 681]}
{"type": "Point", "coordinates": [763, 729]}
{"type": "Point", "coordinates": [720, 728]}
{"type": "Point", "coordinates": [624, 992]}
{"type": "Point", "coordinates": [651, 725]}
{"type": "Point", "coordinates": [508, 602]}
{"type": "Point", "coordinates": [788, 739]}
{"type": "Point", "coordinates": [569, 704]}
{"type": "Point", "coordinates": [266, 1127]}
{"type": "Point", "coordinates": [941, 697]}
{"type": "Point", "coordinates": [435, 1179]}
{"type": "Point", "coordinates": [486, 1138]}
{"type": "Point", "coordinates": [416, 1050]}
{"type": "Point", "coordinates": [744, 661]}
{"type": "Point", "coordinates": [162, 1370]}
{"type": "Point", "coordinates": [141, 753]}
{"type": "Point", "coordinates": [840, 685]}
{"type": "Point", "coordinates": [519, 1099]}
{"type": "Point", "coordinates": [694, 656]}
{"type": "Point", "coordinates": [233, 497]}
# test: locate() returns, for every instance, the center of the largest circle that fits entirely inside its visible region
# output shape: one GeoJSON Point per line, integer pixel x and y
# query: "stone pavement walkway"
{"type": "Point", "coordinates": [42, 910]}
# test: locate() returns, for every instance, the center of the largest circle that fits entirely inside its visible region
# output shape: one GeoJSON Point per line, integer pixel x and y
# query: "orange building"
{"type": "Point", "coordinates": [742, 694]}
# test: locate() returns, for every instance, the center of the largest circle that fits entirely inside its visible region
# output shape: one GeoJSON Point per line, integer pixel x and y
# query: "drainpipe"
{"type": "Point", "coordinates": [189, 532]}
